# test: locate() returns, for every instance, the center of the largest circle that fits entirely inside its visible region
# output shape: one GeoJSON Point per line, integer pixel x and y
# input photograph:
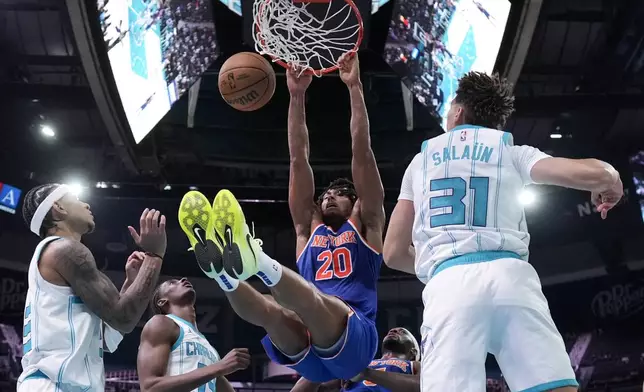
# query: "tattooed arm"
{"type": "Point", "coordinates": [75, 263]}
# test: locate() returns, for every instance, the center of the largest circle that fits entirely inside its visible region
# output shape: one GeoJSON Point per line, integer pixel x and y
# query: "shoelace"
{"type": "Point", "coordinates": [257, 240]}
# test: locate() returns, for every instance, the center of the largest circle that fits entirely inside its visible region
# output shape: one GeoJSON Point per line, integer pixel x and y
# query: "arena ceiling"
{"type": "Point", "coordinates": [582, 78]}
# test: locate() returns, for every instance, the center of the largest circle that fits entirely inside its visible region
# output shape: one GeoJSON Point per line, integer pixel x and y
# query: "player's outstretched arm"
{"type": "Point", "coordinates": [76, 264]}
{"type": "Point", "coordinates": [395, 382]}
{"type": "Point", "coordinates": [301, 184]}
{"type": "Point", "coordinates": [156, 343]}
{"type": "Point", "coordinates": [592, 175]}
{"type": "Point", "coordinates": [366, 176]}
{"type": "Point", "coordinates": [398, 252]}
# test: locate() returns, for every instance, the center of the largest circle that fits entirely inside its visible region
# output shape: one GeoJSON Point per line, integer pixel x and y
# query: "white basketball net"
{"type": "Point", "coordinates": [289, 32]}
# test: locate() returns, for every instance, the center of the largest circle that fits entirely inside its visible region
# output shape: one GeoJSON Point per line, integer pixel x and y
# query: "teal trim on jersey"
{"type": "Point", "coordinates": [553, 385]}
{"type": "Point", "coordinates": [474, 258]}
{"type": "Point", "coordinates": [465, 126]}
{"type": "Point", "coordinates": [499, 171]}
{"type": "Point", "coordinates": [177, 342]}
{"type": "Point", "coordinates": [36, 374]}
{"type": "Point", "coordinates": [507, 139]}
{"type": "Point", "coordinates": [73, 340]}
{"type": "Point", "coordinates": [89, 375]}
{"type": "Point", "coordinates": [187, 323]}
{"type": "Point", "coordinates": [423, 146]}
{"type": "Point", "coordinates": [34, 319]}
{"type": "Point", "coordinates": [77, 300]}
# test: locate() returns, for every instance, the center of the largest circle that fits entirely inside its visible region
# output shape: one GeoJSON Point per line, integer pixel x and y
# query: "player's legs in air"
{"type": "Point", "coordinates": [224, 247]}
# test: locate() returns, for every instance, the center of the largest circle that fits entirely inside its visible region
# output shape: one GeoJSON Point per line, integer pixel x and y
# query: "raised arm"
{"type": "Point", "coordinates": [366, 176]}
{"type": "Point", "coordinates": [592, 175]}
{"type": "Point", "coordinates": [395, 382]}
{"type": "Point", "coordinates": [157, 338]}
{"type": "Point", "coordinates": [76, 264]}
{"type": "Point", "coordinates": [301, 184]}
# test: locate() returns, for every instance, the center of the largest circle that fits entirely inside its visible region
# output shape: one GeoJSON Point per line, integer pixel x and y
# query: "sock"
{"type": "Point", "coordinates": [270, 271]}
{"type": "Point", "coordinates": [226, 282]}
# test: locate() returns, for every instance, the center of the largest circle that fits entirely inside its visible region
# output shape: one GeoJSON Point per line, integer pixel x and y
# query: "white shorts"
{"type": "Point", "coordinates": [37, 384]}
{"type": "Point", "coordinates": [496, 307]}
{"type": "Point", "coordinates": [43, 384]}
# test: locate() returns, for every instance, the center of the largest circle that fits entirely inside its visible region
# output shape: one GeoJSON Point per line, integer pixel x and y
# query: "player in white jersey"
{"type": "Point", "coordinates": [72, 310]}
{"type": "Point", "coordinates": [458, 205]}
{"type": "Point", "coordinates": [173, 355]}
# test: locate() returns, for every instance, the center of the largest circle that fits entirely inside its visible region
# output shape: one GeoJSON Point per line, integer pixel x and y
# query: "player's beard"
{"type": "Point", "coordinates": [395, 346]}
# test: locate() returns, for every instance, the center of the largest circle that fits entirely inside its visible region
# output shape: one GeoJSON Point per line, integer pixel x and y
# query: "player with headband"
{"type": "Point", "coordinates": [72, 310]}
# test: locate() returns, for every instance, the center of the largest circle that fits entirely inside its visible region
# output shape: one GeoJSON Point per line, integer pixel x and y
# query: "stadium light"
{"type": "Point", "coordinates": [527, 197]}
{"type": "Point", "coordinates": [77, 188]}
{"type": "Point", "coordinates": [555, 136]}
{"type": "Point", "coordinates": [47, 131]}
{"type": "Point", "coordinates": [193, 188]}
{"type": "Point", "coordinates": [167, 188]}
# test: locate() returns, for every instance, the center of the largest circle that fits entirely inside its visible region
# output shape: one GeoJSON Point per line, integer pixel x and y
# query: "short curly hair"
{"type": "Point", "coordinates": [156, 296]}
{"type": "Point", "coordinates": [487, 99]}
{"type": "Point", "coordinates": [343, 184]}
{"type": "Point", "coordinates": [33, 198]}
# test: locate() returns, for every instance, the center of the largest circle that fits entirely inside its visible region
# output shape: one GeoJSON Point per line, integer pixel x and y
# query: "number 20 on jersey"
{"type": "Point", "coordinates": [336, 264]}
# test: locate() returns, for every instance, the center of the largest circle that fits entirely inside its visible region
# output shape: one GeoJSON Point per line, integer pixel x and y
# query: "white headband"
{"type": "Point", "coordinates": [45, 206]}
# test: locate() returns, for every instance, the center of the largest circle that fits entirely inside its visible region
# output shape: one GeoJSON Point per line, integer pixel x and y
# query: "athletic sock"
{"type": "Point", "coordinates": [269, 270]}
{"type": "Point", "coordinates": [226, 282]}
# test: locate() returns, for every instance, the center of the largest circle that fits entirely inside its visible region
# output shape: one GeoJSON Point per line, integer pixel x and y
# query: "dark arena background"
{"type": "Point", "coordinates": [119, 99]}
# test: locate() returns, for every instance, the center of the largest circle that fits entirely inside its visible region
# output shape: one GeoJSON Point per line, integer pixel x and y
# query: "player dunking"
{"type": "Point", "coordinates": [72, 310]}
{"type": "Point", "coordinates": [173, 355]}
{"type": "Point", "coordinates": [322, 323]}
{"type": "Point", "coordinates": [396, 371]}
{"type": "Point", "coordinates": [458, 204]}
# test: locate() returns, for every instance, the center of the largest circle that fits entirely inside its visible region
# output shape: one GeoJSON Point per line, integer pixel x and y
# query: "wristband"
{"type": "Point", "coordinates": [153, 255]}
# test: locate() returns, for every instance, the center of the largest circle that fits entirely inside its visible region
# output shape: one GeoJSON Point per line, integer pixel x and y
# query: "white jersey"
{"type": "Point", "coordinates": [191, 351]}
{"type": "Point", "coordinates": [62, 339]}
{"type": "Point", "coordinates": [465, 186]}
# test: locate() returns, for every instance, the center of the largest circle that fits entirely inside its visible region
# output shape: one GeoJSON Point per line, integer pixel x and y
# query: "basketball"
{"type": "Point", "coordinates": [246, 81]}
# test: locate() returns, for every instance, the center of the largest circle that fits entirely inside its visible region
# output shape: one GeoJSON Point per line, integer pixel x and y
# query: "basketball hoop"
{"type": "Point", "coordinates": [308, 35]}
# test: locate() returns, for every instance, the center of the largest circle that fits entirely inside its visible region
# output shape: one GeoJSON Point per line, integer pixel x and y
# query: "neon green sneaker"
{"type": "Point", "coordinates": [196, 221]}
{"type": "Point", "coordinates": [241, 249]}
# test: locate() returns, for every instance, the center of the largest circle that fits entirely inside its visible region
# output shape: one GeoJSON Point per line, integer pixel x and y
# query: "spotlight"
{"type": "Point", "coordinates": [193, 188]}
{"type": "Point", "coordinates": [116, 186]}
{"type": "Point", "coordinates": [167, 188]}
{"type": "Point", "coordinates": [527, 197]}
{"type": "Point", "coordinates": [101, 185]}
{"type": "Point", "coordinates": [77, 188]}
{"type": "Point", "coordinates": [555, 136]}
{"type": "Point", "coordinates": [47, 131]}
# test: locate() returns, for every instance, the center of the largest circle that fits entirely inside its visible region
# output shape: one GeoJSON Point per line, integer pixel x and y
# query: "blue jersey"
{"type": "Point", "coordinates": [394, 365]}
{"type": "Point", "coordinates": [342, 264]}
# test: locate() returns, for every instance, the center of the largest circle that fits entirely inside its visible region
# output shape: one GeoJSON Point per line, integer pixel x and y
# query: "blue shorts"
{"type": "Point", "coordinates": [358, 350]}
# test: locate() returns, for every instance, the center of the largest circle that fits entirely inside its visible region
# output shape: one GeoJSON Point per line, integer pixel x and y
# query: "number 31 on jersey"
{"type": "Point", "coordinates": [479, 188]}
